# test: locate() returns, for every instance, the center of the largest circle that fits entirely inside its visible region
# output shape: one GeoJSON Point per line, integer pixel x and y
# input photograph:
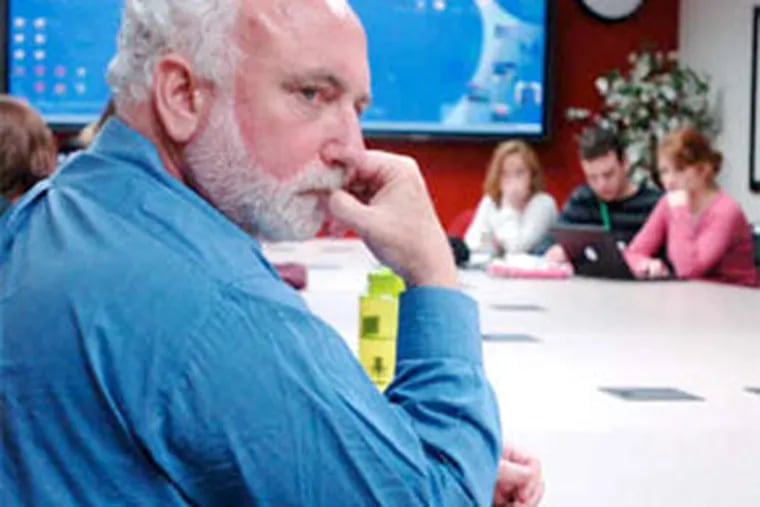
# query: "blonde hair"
{"type": "Point", "coordinates": [492, 185]}
{"type": "Point", "coordinates": [88, 133]}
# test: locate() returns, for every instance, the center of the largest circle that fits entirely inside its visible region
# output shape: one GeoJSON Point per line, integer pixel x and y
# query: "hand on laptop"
{"type": "Point", "coordinates": [557, 254]}
{"type": "Point", "coordinates": [650, 268]}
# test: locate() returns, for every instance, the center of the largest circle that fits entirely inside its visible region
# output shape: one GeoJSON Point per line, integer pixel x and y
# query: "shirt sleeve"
{"type": "Point", "coordinates": [524, 233]}
{"type": "Point", "coordinates": [580, 208]}
{"type": "Point", "coordinates": [651, 236]}
{"type": "Point", "coordinates": [271, 408]}
{"type": "Point", "coordinates": [479, 229]}
{"type": "Point", "coordinates": [695, 251]}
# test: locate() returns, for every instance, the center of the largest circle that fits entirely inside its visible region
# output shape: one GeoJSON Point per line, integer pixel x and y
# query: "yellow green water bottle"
{"type": "Point", "coordinates": [378, 325]}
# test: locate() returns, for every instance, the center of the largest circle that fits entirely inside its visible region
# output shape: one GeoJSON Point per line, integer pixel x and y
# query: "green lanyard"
{"type": "Point", "coordinates": [605, 216]}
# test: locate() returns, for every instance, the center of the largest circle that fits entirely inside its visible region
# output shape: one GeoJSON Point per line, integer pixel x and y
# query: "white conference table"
{"type": "Point", "coordinates": [568, 338]}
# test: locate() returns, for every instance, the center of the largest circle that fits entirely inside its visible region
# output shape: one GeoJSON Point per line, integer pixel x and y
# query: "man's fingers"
{"type": "Point", "coordinates": [379, 168]}
{"type": "Point", "coordinates": [515, 473]}
{"type": "Point", "coordinates": [537, 494]}
{"type": "Point", "coordinates": [533, 489]}
{"type": "Point", "coordinates": [533, 498]}
{"type": "Point", "coordinates": [346, 209]}
{"type": "Point", "coordinates": [519, 481]}
{"type": "Point", "coordinates": [512, 479]}
{"type": "Point", "coordinates": [373, 165]}
{"type": "Point", "coordinates": [361, 190]}
{"type": "Point", "coordinates": [511, 452]}
{"type": "Point", "coordinates": [499, 498]}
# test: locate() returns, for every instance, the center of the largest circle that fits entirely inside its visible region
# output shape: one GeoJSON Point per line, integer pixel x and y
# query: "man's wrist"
{"type": "Point", "coordinates": [441, 275]}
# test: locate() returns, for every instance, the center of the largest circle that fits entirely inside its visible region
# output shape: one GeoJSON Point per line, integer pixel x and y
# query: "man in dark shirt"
{"type": "Point", "coordinates": [608, 198]}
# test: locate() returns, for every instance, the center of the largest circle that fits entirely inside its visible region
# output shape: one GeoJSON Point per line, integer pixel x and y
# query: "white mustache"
{"type": "Point", "coordinates": [316, 177]}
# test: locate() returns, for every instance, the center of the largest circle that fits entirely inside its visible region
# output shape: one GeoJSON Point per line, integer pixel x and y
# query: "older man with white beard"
{"type": "Point", "coordinates": [152, 356]}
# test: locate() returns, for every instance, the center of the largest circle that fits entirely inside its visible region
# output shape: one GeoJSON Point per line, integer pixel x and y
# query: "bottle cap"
{"type": "Point", "coordinates": [385, 282]}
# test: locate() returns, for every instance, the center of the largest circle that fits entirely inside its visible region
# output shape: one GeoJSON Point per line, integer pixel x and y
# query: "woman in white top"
{"type": "Point", "coordinates": [514, 214]}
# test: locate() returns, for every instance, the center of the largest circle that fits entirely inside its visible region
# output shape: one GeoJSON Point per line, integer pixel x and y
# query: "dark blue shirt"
{"type": "Point", "coordinates": [152, 356]}
{"type": "Point", "coordinates": [625, 216]}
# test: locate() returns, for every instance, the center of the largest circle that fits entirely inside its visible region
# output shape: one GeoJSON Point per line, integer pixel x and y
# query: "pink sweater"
{"type": "Point", "coordinates": [715, 246]}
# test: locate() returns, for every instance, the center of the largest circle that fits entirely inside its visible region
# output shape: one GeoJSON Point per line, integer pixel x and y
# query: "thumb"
{"type": "Point", "coordinates": [346, 209]}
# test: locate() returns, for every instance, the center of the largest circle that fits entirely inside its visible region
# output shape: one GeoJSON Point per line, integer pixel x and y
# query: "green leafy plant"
{"type": "Point", "coordinates": [653, 97]}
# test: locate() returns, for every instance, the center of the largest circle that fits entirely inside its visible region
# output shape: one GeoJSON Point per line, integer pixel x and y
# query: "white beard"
{"type": "Point", "coordinates": [219, 167]}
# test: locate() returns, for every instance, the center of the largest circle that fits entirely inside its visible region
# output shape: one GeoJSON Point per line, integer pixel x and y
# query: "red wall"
{"type": "Point", "coordinates": [583, 48]}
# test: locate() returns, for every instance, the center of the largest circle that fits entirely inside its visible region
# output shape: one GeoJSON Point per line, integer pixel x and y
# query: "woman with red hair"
{"type": "Point", "coordinates": [707, 235]}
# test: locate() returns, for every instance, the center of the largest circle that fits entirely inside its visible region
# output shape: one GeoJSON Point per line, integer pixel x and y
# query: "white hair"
{"type": "Point", "coordinates": [339, 7]}
{"type": "Point", "coordinates": [199, 30]}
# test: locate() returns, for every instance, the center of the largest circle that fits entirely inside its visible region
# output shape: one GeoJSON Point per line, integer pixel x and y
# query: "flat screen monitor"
{"type": "Point", "coordinates": [441, 68]}
{"type": "Point", "coordinates": [457, 68]}
{"type": "Point", "coordinates": [56, 53]}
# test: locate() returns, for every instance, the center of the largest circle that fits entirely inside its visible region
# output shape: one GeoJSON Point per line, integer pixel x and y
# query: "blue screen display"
{"type": "Point", "coordinates": [58, 51]}
{"type": "Point", "coordinates": [456, 67]}
{"type": "Point", "coordinates": [439, 67]}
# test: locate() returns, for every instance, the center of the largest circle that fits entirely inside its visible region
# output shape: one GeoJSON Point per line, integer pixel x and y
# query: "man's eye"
{"type": "Point", "coordinates": [309, 93]}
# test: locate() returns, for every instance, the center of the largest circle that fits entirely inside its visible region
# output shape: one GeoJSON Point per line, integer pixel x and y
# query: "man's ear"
{"type": "Point", "coordinates": [179, 98]}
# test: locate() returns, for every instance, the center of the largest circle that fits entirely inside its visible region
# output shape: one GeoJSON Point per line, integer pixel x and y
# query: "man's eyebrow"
{"type": "Point", "coordinates": [319, 75]}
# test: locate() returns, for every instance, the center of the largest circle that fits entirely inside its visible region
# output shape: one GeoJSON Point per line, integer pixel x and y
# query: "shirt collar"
{"type": "Point", "coordinates": [119, 141]}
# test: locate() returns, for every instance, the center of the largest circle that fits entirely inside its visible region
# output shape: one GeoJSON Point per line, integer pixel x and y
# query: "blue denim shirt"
{"type": "Point", "coordinates": [152, 356]}
{"type": "Point", "coordinates": [4, 204]}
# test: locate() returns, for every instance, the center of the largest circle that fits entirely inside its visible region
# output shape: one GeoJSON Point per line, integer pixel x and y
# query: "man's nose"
{"type": "Point", "coordinates": [352, 136]}
{"type": "Point", "coordinates": [346, 147]}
